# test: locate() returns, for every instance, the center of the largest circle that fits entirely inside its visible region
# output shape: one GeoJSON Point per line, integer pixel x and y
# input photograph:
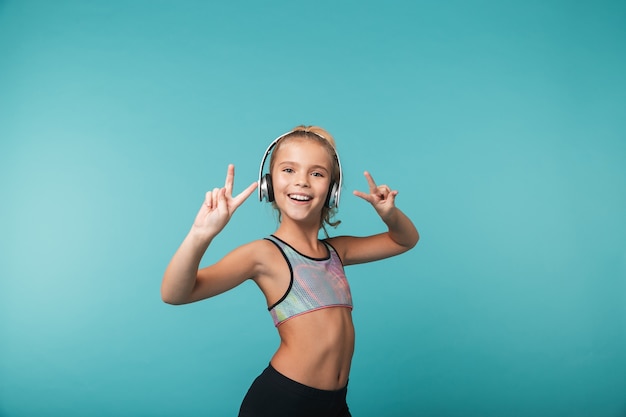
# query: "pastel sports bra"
{"type": "Point", "coordinates": [314, 284]}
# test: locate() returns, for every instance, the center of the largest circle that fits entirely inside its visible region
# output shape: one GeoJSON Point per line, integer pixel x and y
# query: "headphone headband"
{"type": "Point", "coordinates": [265, 187]}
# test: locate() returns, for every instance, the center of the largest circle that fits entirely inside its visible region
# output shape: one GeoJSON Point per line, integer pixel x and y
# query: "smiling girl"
{"type": "Point", "coordinates": [301, 276]}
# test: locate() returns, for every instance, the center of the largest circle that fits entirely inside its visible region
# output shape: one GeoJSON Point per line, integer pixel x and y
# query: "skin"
{"type": "Point", "coordinates": [316, 348]}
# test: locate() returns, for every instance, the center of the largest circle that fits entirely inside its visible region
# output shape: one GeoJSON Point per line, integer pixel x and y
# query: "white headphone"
{"type": "Point", "coordinates": [266, 190]}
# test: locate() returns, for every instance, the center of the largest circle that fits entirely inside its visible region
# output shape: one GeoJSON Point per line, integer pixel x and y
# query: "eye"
{"type": "Point", "coordinates": [318, 174]}
{"type": "Point", "coordinates": [288, 170]}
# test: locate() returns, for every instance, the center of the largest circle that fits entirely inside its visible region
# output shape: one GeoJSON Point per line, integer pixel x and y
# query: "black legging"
{"type": "Point", "coordinates": [274, 395]}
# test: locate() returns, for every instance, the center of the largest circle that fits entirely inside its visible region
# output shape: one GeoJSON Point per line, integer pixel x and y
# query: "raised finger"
{"type": "Point", "coordinates": [244, 194]}
{"type": "Point", "coordinates": [230, 179]}
{"type": "Point", "coordinates": [370, 181]}
{"type": "Point", "coordinates": [364, 196]}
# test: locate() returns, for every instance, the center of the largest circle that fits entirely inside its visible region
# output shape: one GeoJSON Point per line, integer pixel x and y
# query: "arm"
{"type": "Point", "coordinates": [182, 282]}
{"type": "Point", "coordinates": [401, 234]}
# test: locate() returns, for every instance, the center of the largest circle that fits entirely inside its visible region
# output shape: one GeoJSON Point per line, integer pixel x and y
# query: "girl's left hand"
{"type": "Point", "coordinates": [380, 196]}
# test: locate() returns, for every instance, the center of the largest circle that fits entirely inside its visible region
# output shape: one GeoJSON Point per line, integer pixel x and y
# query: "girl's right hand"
{"type": "Point", "coordinates": [219, 206]}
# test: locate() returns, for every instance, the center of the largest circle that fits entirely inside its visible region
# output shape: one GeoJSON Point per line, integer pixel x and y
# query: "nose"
{"type": "Point", "coordinates": [302, 179]}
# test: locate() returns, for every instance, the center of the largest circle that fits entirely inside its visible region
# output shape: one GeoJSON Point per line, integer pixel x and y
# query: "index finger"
{"type": "Point", "coordinates": [244, 194]}
{"type": "Point", "coordinates": [370, 181]}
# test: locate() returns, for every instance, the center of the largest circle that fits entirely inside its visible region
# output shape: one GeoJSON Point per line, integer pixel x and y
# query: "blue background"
{"type": "Point", "coordinates": [501, 123]}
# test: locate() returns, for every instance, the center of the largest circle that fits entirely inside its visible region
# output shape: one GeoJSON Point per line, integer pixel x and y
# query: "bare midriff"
{"type": "Point", "coordinates": [316, 348]}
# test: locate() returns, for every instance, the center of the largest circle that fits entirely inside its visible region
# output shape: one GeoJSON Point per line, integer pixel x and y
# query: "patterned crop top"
{"type": "Point", "coordinates": [315, 283]}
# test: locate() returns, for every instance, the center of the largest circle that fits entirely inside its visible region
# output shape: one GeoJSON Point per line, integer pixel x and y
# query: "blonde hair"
{"type": "Point", "coordinates": [324, 138]}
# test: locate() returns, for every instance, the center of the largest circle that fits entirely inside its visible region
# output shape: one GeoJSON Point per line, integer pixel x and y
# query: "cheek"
{"type": "Point", "coordinates": [278, 180]}
{"type": "Point", "coordinates": [325, 185]}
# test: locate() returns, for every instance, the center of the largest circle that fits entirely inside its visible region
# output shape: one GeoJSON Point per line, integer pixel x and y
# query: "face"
{"type": "Point", "coordinates": [301, 178]}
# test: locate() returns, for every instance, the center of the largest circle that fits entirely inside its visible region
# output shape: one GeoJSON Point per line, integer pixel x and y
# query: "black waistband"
{"type": "Point", "coordinates": [304, 390]}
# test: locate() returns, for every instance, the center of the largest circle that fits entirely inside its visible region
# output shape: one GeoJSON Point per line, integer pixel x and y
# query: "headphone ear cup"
{"type": "Point", "coordinates": [262, 189]}
{"type": "Point", "coordinates": [331, 199]}
{"type": "Point", "coordinates": [267, 190]}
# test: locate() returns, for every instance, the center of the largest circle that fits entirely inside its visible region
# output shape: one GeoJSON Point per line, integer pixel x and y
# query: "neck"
{"type": "Point", "coordinates": [299, 235]}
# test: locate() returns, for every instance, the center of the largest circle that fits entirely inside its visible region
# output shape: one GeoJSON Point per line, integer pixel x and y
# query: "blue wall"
{"type": "Point", "coordinates": [501, 124]}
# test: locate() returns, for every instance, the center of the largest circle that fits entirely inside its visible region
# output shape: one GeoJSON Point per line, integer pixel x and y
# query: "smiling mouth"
{"type": "Point", "coordinates": [299, 197]}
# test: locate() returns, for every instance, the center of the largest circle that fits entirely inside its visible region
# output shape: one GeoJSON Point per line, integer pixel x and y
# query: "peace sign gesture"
{"type": "Point", "coordinates": [219, 205]}
{"type": "Point", "coordinates": [380, 196]}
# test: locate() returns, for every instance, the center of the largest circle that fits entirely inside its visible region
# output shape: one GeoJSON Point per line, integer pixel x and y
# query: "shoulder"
{"type": "Point", "coordinates": [339, 244]}
{"type": "Point", "coordinates": [257, 250]}
{"type": "Point", "coordinates": [262, 252]}
{"type": "Point", "coordinates": [355, 250]}
{"type": "Point", "coordinates": [246, 261]}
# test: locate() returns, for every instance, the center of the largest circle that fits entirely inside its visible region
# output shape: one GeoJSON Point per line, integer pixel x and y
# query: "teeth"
{"type": "Point", "coordinates": [300, 197]}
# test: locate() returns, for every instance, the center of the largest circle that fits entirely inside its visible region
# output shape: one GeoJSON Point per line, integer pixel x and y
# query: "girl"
{"type": "Point", "coordinates": [301, 276]}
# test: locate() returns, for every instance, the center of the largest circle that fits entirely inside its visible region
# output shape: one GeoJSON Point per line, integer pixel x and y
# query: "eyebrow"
{"type": "Point", "coordinates": [298, 164]}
